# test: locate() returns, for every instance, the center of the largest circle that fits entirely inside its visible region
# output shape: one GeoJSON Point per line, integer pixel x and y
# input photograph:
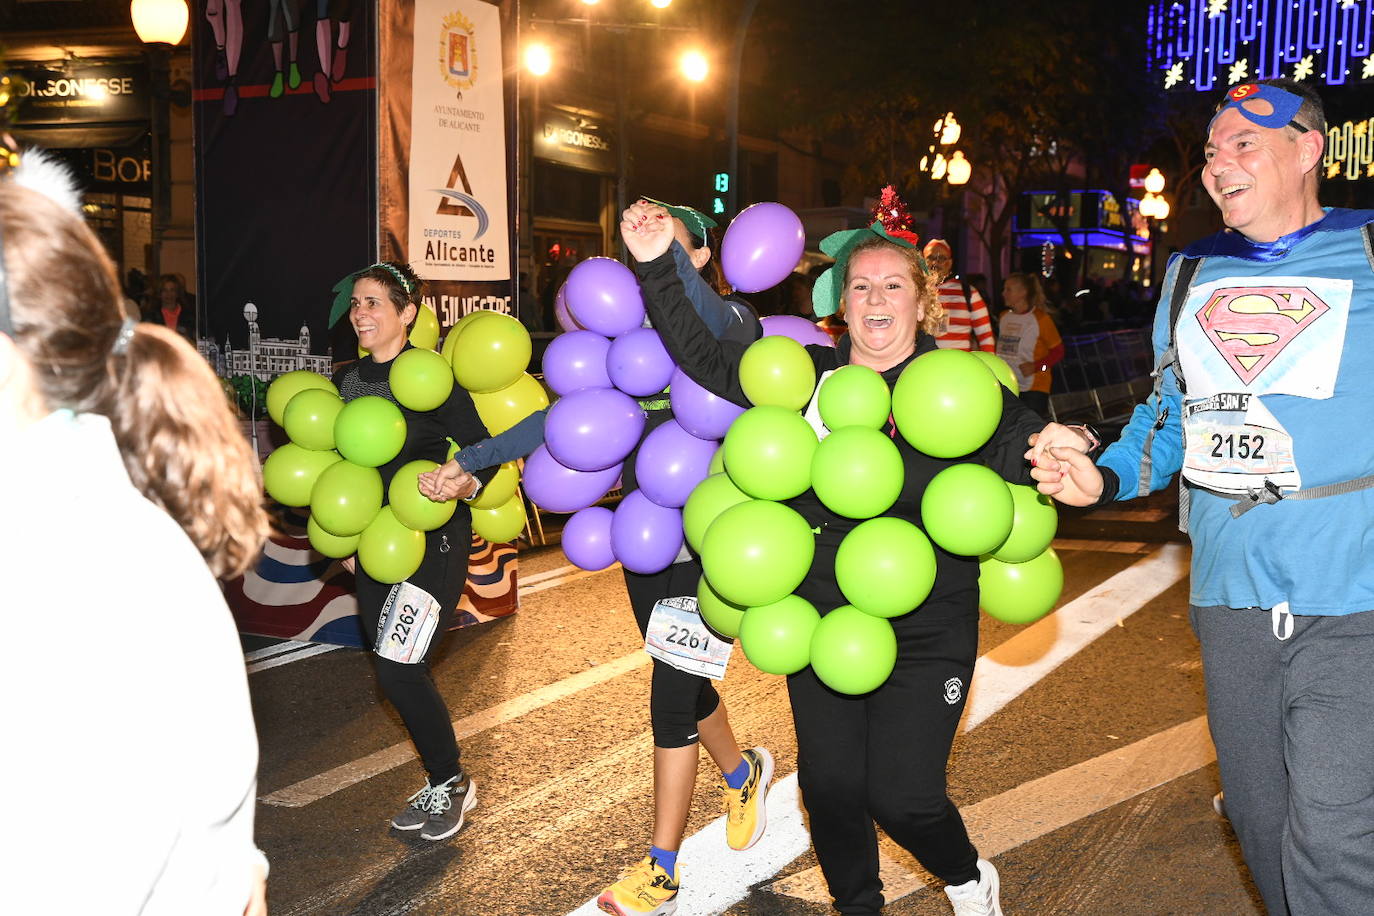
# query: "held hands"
{"type": "Point", "coordinates": [1062, 468]}
{"type": "Point", "coordinates": [647, 230]}
{"type": "Point", "coordinates": [1027, 369]}
{"type": "Point", "coordinates": [446, 482]}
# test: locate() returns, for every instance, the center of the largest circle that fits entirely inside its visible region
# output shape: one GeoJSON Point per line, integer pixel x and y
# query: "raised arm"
{"type": "Point", "coordinates": [711, 363]}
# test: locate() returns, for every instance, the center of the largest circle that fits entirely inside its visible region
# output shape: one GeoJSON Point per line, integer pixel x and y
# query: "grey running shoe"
{"type": "Point", "coordinates": [449, 803]}
{"type": "Point", "coordinates": [414, 816]}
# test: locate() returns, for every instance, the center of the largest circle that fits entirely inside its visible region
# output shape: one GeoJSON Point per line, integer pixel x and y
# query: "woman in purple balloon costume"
{"type": "Point", "coordinates": [675, 433]}
{"type": "Point", "coordinates": [879, 756]}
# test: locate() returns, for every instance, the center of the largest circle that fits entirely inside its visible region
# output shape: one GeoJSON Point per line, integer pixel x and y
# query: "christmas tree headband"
{"type": "Point", "coordinates": [343, 290]}
{"type": "Point", "coordinates": [892, 223]}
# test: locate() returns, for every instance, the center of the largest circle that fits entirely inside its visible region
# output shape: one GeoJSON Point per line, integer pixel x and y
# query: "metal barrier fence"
{"type": "Point", "coordinates": [1103, 375]}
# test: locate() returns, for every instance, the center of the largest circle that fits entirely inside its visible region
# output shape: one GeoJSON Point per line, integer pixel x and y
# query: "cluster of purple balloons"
{"type": "Point", "coordinates": [606, 360]}
{"type": "Point", "coordinates": [599, 369]}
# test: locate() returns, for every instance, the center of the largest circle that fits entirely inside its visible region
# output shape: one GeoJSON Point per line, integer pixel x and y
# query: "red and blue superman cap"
{"type": "Point", "coordinates": [1246, 98]}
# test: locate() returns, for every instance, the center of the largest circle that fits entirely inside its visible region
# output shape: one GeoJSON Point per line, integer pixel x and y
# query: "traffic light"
{"type": "Point", "coordinates": [720, 185]}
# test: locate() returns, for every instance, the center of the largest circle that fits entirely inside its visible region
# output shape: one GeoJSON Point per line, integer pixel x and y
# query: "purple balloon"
{"type": "Point", "coordinates": [701, 413]}
{"type": "Point", "coordinates": [593, 428]}
{"type": "Point", "coordinates": [603, 296]}
{"type": "Point", "coordinates": [576, 360]}
{"type": "Point", "coordinates": [638, 363]}
{"type": "Point", "coordinates": [560, 310]}
{"type": "Point", "coordinates": [796, 327]}
{"type": "Point", "coordinates": [645, 536]}
{"type": "Point", "coordinates": [587, 538]}
{"type": "Point", "coordinates": [555, 488]}
{"type": "Point", "coordinates": [761, 247]}
{"type": "Point", "coordinates": [670, 464]}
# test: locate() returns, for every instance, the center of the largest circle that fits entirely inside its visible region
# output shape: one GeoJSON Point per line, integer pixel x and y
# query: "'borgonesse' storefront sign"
{"type": "Point", "coordinates": [574, 138]}
{"type": "Point", "coordinates": [85, 95]}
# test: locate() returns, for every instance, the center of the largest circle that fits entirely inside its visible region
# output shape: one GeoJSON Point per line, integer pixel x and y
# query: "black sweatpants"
{"type": "Point", "coordinates": [410, 687]}
{"type": "Point", "coordinates": [882, 757]}
{"type": "Point", "coordinates": [677, 700]}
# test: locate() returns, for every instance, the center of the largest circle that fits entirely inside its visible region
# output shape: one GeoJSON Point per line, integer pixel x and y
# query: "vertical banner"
{"type": "Point", "coordinates": [444, 193]}
{"type": "Point", "coordinates": [458, 225]}
{"type": "Point", "coordinates": [285, 101]}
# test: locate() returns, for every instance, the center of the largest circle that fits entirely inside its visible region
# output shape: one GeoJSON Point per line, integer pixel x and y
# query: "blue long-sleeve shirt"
{"type": "Point", "coordinates": [1273, 341]}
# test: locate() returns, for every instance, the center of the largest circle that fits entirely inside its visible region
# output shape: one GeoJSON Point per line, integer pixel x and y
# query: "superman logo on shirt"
{"type": "Point", "coordinates": [1251, 325]}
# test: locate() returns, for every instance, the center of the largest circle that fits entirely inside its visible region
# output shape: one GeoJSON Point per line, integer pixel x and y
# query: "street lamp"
{"type": "Point", "coordinates": [160, 24]}
{"type": "Point", "coordinates": [959, 168]}
{"type": "Point", "coordinates": [695, 66]}
{"type": "Point", "coordinates": [159, 21]}
{"type": "Point", "coordinates": [538, 59]}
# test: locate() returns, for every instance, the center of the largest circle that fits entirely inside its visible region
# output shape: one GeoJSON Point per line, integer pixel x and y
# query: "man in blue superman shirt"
{"type": "Point", "coordinates": [1265, 403]}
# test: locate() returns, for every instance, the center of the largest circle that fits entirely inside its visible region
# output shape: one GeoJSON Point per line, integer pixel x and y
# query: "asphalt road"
{"type": "Point", "coordinates": [1084, 770]}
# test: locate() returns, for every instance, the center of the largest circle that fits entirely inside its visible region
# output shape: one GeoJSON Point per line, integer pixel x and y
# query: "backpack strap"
{"type": "Point", "coordinates": [1187, 269]}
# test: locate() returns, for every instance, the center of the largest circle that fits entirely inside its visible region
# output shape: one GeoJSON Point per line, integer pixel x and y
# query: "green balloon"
{"type": "Point", "coordinates": [286, 386]}
{"type": "Point", "coordinates": [411, 507]}
{"type": "Point", "coordinates": [885, 567]}
{"type": "Point", "coordinates": [999, 368]}
{"type": "Point", "coordinates": [709, 499]}
{"type": "Point", "coordinates": [424, 333]}
{"type": "Point", "coordinates": [946, 403]}
{"type": "Point", "coordinates": [500, 488]}
{"type": "Point", "coordinates": [370, 431]}
{"type": "Point", "coordinates": [777, 637]}
{"type": "Point", "coordinates": [328, 544]}
{"type": "Point", "coordinates": [1020, 592]}
{"type": "Point", "coordinates": [777, 371]}
{"type": "Point", "coordinates": [857, 472]}
{"type": "Point", "coordinates": [717, 465]}
{"type": "Point", "coordinates": [768, 451]}
{"type": "Point", "coordinates": [500, 410]}
{"type": "Point", "coordinates": [492, 353]}
{"type": "Point", "coordinates": [1033, 525]}
{"type": "Point", "coordinates": [853, 652]}
{"type": "Point", "coordinates": [967, 509]}
{"type": "Point", "coordinates": [467, 321]}
{"type": "Point", "coordinates": [502, 524]}
{"type": "Point", "coordinates": [309, 418]}
{"type": "Point", "coordinates": [854, 395]}
{"type": "Point", "coordinates": [346, 498]}
{"type": "Point", "coordinates": [389, 551]}
{"type": "Point", "coordinates": [420, 379]}
{"type": "Point", "coordinates": [720, 615]}
{"type": "Point", "coordinates": [290, 472]}
{"type": "Point", "coordinates": [756, 552]}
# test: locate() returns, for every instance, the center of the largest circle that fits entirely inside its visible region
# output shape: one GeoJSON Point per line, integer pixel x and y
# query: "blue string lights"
{"type": "Point", "coordinates": [1202, 45]}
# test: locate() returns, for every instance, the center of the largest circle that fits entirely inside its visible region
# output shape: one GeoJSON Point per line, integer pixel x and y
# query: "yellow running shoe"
{"type": "Point", "coordinates": [745, 817]}
{"type": "Point", "coordinates": [644, 889]}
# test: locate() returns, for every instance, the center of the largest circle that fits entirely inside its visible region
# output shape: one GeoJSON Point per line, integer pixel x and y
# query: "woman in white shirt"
{"type": "Point", "coordinates": [130, 488]}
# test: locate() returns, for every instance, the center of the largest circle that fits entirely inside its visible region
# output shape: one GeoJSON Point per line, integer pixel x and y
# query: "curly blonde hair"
{"type": "Point", "coordinates": [927, 286]}
{"type": "Point", "coordinates": [176, 431]}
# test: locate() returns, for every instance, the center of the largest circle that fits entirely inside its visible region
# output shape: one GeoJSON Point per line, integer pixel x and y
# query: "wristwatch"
{"type": "Point", "coordinates": [1094, 440]}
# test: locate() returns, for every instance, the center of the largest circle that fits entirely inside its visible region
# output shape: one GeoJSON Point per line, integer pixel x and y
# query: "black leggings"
{"type": "Point", "coordinates": [677, 700]}
{"type": "Point", "coordinates": [882, 757]}
{"type": "Point", "coordinates": [410, 687]}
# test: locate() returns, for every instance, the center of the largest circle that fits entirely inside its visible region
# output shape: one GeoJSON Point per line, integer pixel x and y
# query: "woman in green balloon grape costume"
{"type": "Point", "coordinates": [383, 306]}
{"type": "Point", "coordinates": [880, 756]}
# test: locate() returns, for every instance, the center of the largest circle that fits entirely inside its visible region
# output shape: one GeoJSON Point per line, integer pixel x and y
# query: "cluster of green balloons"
{"type": "Point", "coordinates": [331, 462]}
{"type": "Point", "coordinates": [755, 551]}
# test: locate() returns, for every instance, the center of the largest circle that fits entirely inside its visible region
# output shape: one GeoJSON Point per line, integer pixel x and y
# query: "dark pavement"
{"type": "Point", "coordinates": [1087, 777]}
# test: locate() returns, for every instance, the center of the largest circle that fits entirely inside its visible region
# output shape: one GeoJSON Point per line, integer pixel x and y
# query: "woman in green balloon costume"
{"type": "Point", "coordinates": [407, 619]}
{"type": "Point", "coordinates": [876, 751]}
